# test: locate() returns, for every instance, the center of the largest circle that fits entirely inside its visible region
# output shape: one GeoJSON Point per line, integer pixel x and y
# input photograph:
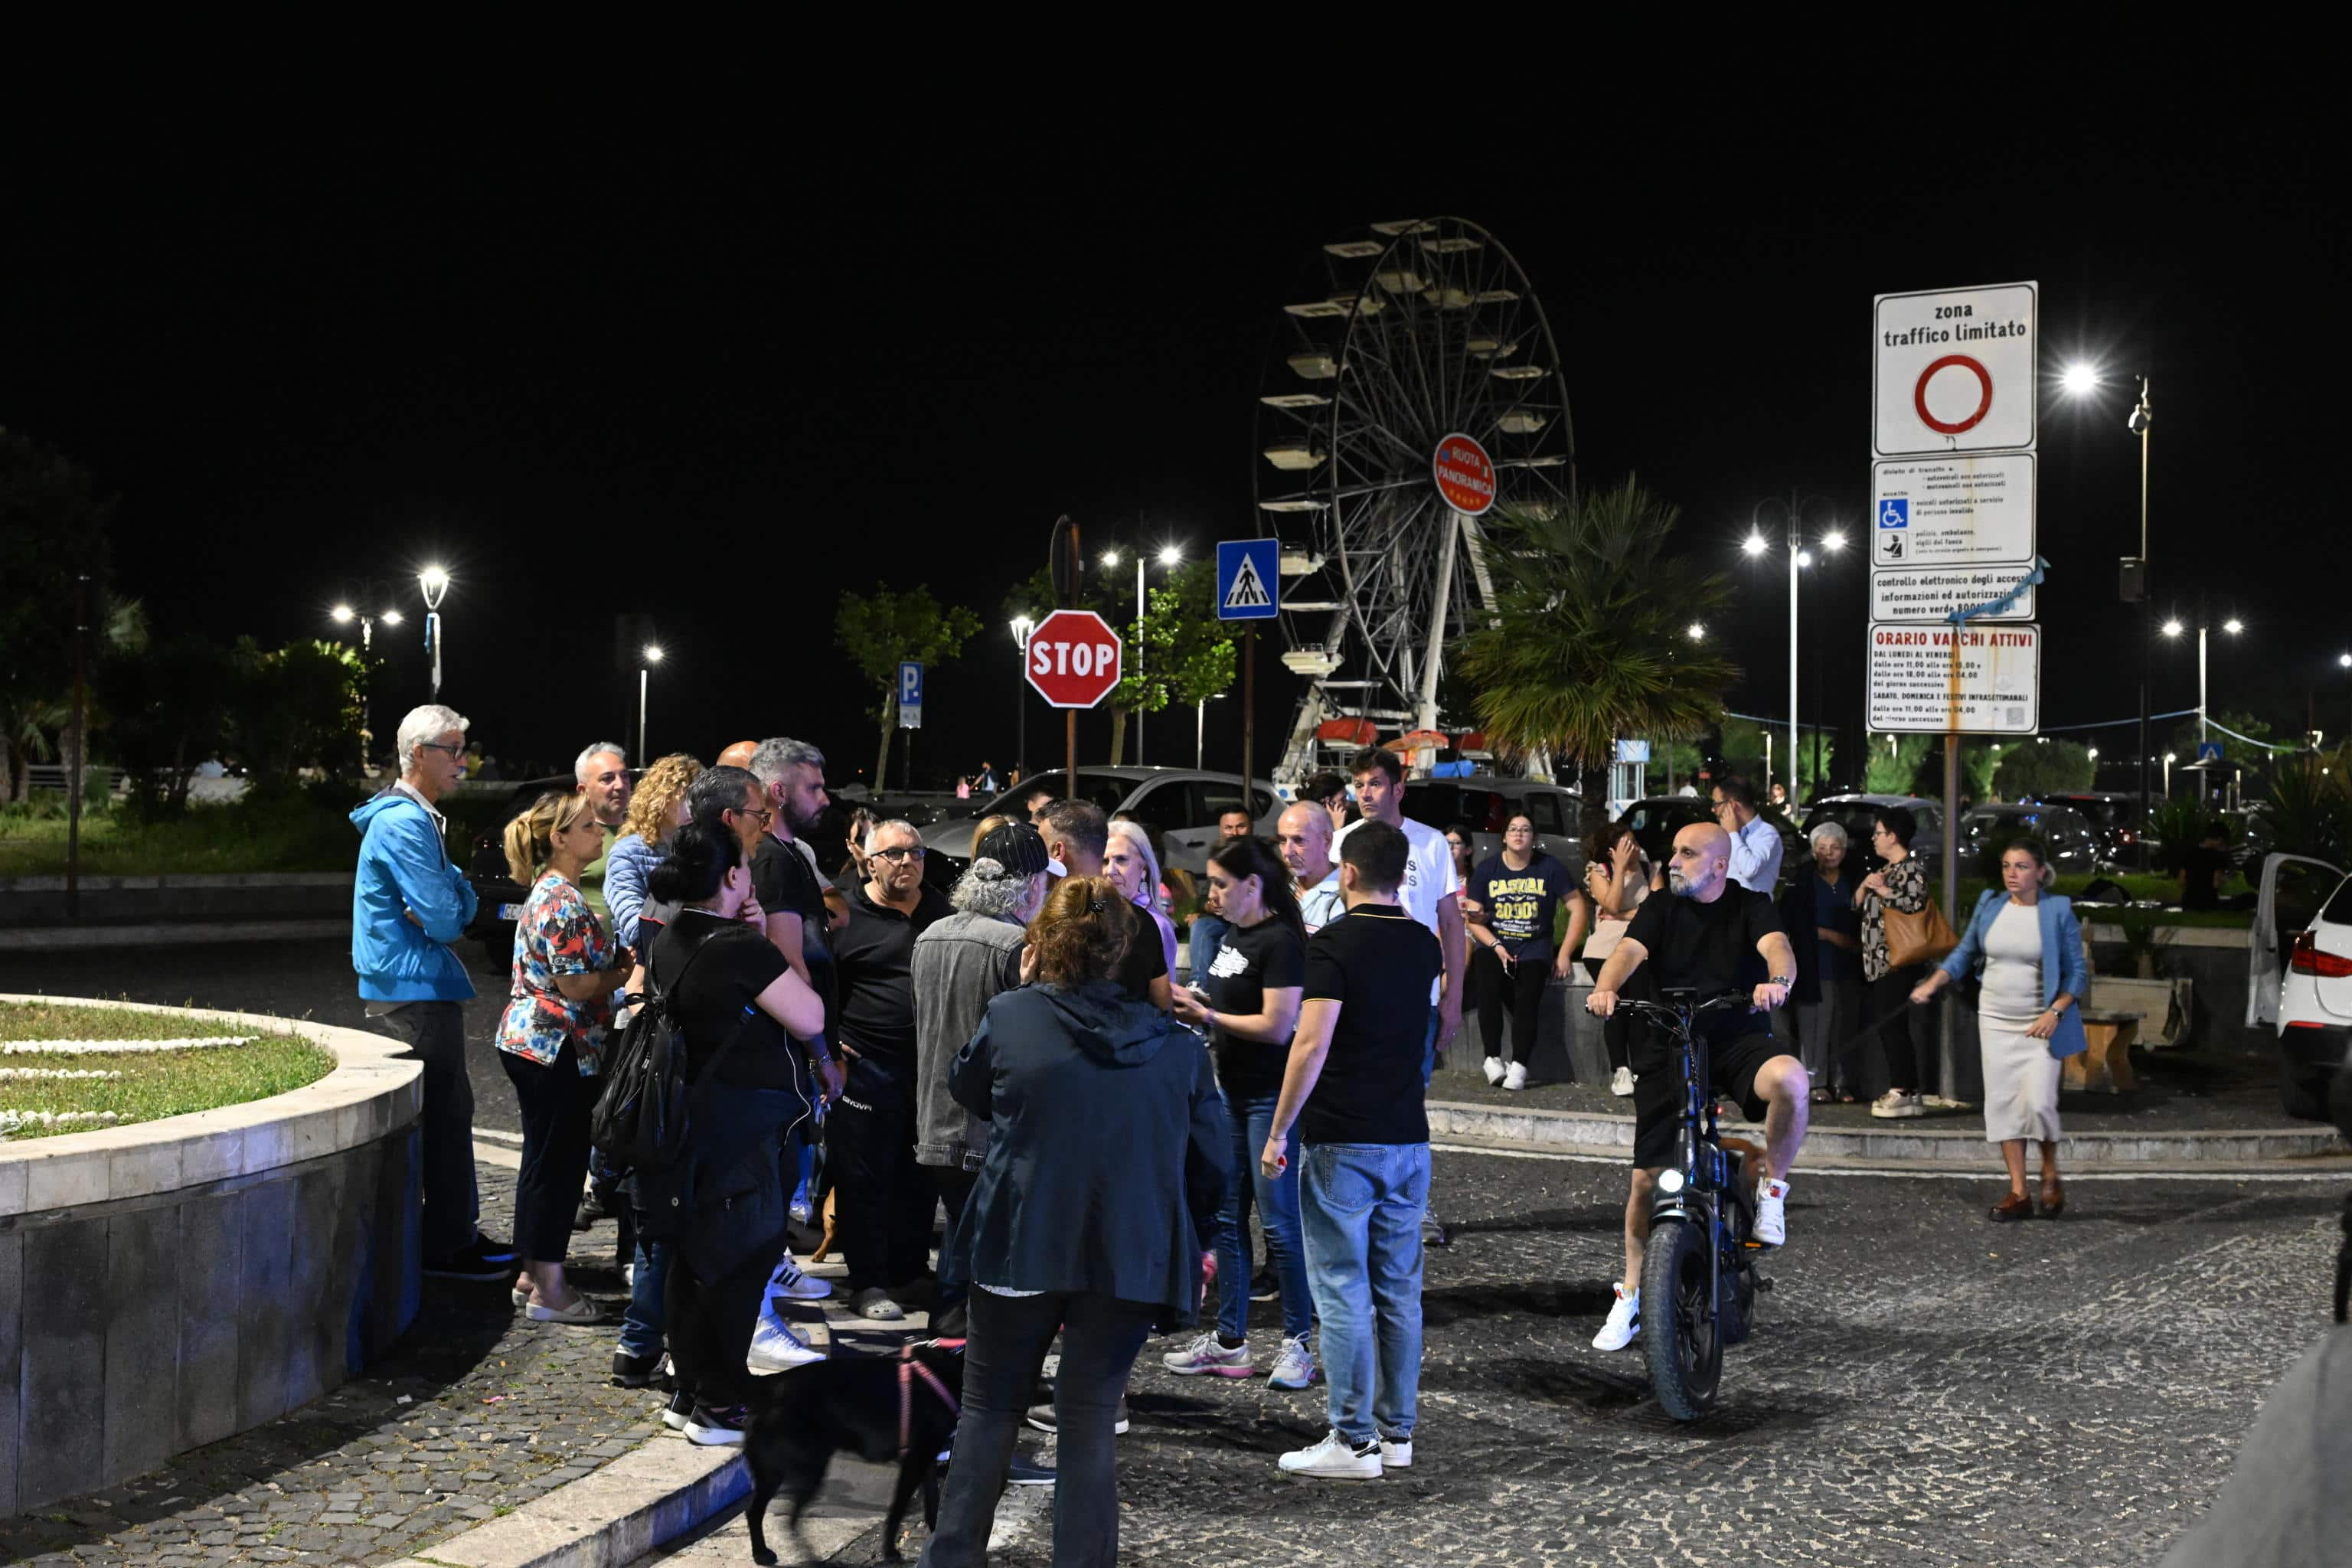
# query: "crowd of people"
{"type": "Point", "coordinates": [870, 1053]}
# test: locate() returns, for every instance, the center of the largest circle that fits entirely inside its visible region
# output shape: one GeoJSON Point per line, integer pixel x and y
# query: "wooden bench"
{"type": "Point", "coordinates": [2105, 1068]}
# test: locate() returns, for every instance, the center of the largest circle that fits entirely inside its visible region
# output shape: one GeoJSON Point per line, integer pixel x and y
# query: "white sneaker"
{"type": "Point", "coordinates": [1293, 1365]}
{"type": "Point", "coordinates": [1895, 1103]}
{"type": "Point", "coordinates": [1516, 1077]}
{"type": "Point", "coordinates": [1335, 1458]}
{"type": "Point", "coordinates": [1772, 1212]}
{"type": "Point", "coordinates": [1204, 1354]}
{"type": "Point", "coordinates": [1396, 1452]}
{"type": "Point", "coordinates": [1493, 1069]}
{"type": "Point", "coordinates": [775, 1348]}
{"type": "Point", "coordinates": [1625, 1321]}
{"type": "Point", "coordinates": [1620, 1082]}
{"type": "Point", "coordinates": [788, 1281]}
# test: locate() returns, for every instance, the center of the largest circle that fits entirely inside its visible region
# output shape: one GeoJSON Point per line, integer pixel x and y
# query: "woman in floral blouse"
{"type": "Point", "coordinates": [1902, 883]}
{"type": "Point", "coordinates": [566, 966]}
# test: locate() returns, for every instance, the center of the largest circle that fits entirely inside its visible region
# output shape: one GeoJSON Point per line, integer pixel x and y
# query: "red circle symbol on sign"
{"type": "Point", "coordinates": [1073, 659]}
{"type": "Point", "coordinates": [1466, 475]}
{"type": "Point", "coordinates": [1984, 403]}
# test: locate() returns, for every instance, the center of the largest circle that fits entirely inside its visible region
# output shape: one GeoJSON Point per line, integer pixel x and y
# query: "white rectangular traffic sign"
{"type": "Point", "coordinates": [1953, 511]}
{"type": "Point", "coordinates": [1910, 679]}
{"type": "Point", "coordinates": [1954, 369]}
{"type": "Point", "coordinates": [1899, 594]}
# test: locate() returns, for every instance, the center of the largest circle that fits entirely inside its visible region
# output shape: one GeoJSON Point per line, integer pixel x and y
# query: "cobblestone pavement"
{"type": "Point", "coordinates": [479, 1410]}
{"type": "Point", "coordinates": [1924, 1389]}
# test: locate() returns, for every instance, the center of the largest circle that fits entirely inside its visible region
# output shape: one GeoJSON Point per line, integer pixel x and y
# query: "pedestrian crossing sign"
{"type": "Point", "coordinates": [1249, 579]}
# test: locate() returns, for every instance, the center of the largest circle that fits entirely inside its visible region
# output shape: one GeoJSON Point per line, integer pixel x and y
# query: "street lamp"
{"type": "Point", "coordinates": [1168, 556]}
{"type": "Point", "coordinates": [1800, 558]}
{"type": "Point", "coordinates": [2173, 629]}
{"type": "Point", "coordinates": [653, 655]}
{"type": "Point", "coordinates": [343, 615]}
{"type": "Point", "coordinates": [2082, 379]}
{"type": "Point", "coordinates": [1200, 727]}
{"type": "Point", "coordinates": [435, 582]}
{"type": "Point", "coordinates": [1022, 627]}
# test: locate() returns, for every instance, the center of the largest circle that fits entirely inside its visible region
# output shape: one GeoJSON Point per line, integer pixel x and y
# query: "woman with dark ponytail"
{"type": "Point", "coordinates": [1254, 982]}
{"type": "Point", "coordinates": [741, 1007]}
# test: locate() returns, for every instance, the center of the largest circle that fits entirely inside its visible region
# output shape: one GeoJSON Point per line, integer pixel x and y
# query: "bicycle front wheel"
{"type": "Point", "coordinates": [1681, 1338]}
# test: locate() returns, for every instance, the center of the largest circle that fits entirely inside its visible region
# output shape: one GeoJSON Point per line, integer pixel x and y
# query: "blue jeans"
{"type": "Point", "coordinates": [1208, 934]}
{"type": "Point", "coordinates": [1429, 1050]}
{"type": "Point", "coordinates": [1277, 1211]}
{"type": "Point", "coordinates": [1361, 1206]}
{"type": "Point", "coordinates": [641, 1326]}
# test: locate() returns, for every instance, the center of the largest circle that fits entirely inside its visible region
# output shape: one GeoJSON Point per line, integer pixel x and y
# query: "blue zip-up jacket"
{"type": "Point", "coordinates": [2063, 968]}
{"type": "Point", "coordinates": [403, 866]}
{"type": "Point", "coordinates": [630, 861]}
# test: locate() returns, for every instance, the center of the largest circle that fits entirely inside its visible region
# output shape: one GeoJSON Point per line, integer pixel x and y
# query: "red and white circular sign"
{"type": "Point", "coordinates": [1956, 388]}
{"type": "Point", "coordinates": [1074, 658]}
{"type": "Point", "coordinates": [1466, 475]}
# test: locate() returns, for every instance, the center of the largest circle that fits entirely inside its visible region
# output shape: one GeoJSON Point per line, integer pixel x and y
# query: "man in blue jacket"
{"type": "Point", "coordinates": [408, 904]}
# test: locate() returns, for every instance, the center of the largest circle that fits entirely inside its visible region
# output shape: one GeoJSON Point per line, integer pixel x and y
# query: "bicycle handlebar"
{"type": "Point", "coordinates": [1673, 1016]}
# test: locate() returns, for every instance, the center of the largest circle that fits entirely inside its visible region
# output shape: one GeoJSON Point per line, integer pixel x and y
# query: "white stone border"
{"type": "Point", "coordinates": [372, 1090]}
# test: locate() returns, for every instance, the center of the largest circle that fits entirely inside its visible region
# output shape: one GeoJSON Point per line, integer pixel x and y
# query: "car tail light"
{"type": "Point", "coordinates": [2308, 958]}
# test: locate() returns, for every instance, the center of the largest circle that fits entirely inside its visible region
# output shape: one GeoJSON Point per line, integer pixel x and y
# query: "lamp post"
{"type": "Point", "coordinates": [1755, 546]}
{"type": "Point", "coordinates": [1200, 727]}
{"type": "Point", "coordinates": [1022, 627]}
{"type": "Point", "coordinates": [435, 582]}
{"type": "Point", "coordinates": [1169, 555]}
{"type": "Point", "coordinates": [653, 655]}
{"type": "Point", "coordinates": [342, 615]}
{"type": "Point", "coordinates": [2135, 585]}
{"type": "Point", "coordinates": [2173, 629]}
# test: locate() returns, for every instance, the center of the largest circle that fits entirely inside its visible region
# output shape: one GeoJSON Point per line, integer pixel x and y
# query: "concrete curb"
{"type": "Point", "coordinates": [1899, 1144]}
{"type": "Point", "coordinates": [659, 1490]}
{"type": "Point", "coordinates": [36, 938]}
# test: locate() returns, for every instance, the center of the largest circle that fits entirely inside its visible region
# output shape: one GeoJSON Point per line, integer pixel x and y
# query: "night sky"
{"type": "Point", "coordinates": [703, 374]}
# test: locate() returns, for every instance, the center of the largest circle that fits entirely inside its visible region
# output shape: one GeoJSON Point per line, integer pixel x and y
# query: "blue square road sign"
{"type": "Point", "coordinates": [1249, 579]}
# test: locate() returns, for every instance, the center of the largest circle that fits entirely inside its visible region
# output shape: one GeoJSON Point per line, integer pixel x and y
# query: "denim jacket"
{"type": "Point", "coordinates": [2063, 966]}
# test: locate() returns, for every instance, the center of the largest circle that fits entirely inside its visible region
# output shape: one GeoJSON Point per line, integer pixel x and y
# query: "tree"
{"type": "Point", "coordinates": [295, 708]}
{"type": "Point", "coordinates": [1744, 749]}
{"type": "Point", "coordinates": [2044, 767]}
{"type": "Point", "coordinates": [167, 710]}
{"type": "Point", "coordinates": [882, 629]}
{"type": "Point", "coordinates": [52, 531]}
{"type": "Point", "coordinates": [1187, 654]}
{"type": "Point", "coordinates": [1894, 763]}
{"type": "Point", "coordinates": [1589, 640]}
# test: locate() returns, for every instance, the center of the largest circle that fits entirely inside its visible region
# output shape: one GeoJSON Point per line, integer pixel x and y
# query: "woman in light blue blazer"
{"type": "Point", "coordinates": [2025, 948]}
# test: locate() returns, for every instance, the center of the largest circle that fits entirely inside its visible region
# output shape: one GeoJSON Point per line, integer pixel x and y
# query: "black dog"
{"type": "Point", "coordinates": [802, 1417]}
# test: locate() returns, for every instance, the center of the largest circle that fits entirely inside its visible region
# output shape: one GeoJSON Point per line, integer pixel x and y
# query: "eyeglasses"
{"type": "Point", "coordinates": [766, 815]}
{"type": "Point", "coordinates": [901, 852]}
{"type": "Point", "coordinates": [441, 746]}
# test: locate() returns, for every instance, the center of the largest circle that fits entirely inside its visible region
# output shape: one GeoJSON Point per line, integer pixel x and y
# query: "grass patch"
{"type": "Point", "coordinates": [153, 1084]}
{"type": "Point", "coordinates": [288, 833]}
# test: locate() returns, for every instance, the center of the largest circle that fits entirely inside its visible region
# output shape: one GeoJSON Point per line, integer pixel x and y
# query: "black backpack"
{"type": "Point", "coordinates": [643, 1117]}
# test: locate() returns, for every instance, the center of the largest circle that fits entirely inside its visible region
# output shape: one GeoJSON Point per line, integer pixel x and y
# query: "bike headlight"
{"type": "Point", "coordinates": [1670, 1182]}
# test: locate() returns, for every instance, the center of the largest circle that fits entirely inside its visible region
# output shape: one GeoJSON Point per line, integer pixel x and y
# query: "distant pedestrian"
{"type": "Point", "coordinates": [1756, 847]}
{"type": "Point", "coordinates": [963, 787]}
{"type": "Point", "coordinates": [1329, 790]}
{"type": "Point", "coordinates": [985, 782]}
{"type": "Point", "coordinates": [1352, 1089]}
{"type": "Point", "coordinates": [1617, 877]}
{"type": "Point", "coordinates": [1900, 884]}
{"type": "Point", "coordinates": [1107, 1153]}
{"type": "Point", "coordinates": [559, 1004]}
{"type": "Point", "coordinates": [1036, 803]}
{"type": "Point", "coordinates": [2024, 946]}
{"type": "Point", "coordinates": [409, 902]}
{"type": "Point", "coordinates": [1817, 912]}
{"type": "Point", "coordinates": [1521, 889]}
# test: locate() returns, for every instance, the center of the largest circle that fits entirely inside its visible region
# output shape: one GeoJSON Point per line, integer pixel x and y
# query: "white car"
{"type": "Point", "coordinates": [2300, 979]}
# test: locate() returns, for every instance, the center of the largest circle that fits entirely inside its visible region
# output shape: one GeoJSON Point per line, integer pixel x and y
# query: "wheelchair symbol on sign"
{"type": "Point", "coordinates": [1895, 514]}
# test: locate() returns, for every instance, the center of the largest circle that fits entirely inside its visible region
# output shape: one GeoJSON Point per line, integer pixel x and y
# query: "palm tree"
{"type": "Point", "coordinates": [1591, 639]}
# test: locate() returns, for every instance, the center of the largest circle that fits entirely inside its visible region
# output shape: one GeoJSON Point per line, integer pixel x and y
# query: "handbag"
{"type": "Point", "coordinates": [1926, 937]}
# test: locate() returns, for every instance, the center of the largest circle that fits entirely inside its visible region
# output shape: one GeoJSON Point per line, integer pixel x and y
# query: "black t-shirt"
{"type": "Point", "coordinates": [876, 967]}
{"type": "Point", "coordinates": [1710, 947]}
{"type": "Point", "coordinates": [787, 884]}
{"type": "Point", "coordinates": [1144, 962]}
{"type": "Point", "coordinates": [1250, 962]}
{"type": "Point", "coordinates": [719, 991]}
{"type": "Point", "coordinates": [1378, 965]}
{"type": "Point", "coordinates": [1521, 905]}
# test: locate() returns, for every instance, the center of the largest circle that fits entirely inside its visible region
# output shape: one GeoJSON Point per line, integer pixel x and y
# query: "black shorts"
{"type": "Point", "coordinates": [1658, 1092]}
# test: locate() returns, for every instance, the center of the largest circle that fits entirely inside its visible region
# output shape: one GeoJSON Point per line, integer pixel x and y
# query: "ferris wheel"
{"type": "Point", "coordinates": [1419, 388]}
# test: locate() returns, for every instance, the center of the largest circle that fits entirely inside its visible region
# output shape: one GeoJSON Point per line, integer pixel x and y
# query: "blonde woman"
{"type": "Point", "coordinates": [566, 966]}
{"type": "Point", "coordinates": [656, 811]}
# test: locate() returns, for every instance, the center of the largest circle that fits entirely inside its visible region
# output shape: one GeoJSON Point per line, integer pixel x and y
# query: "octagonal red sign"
{"type": "Point", "coordinates": [1074, 658]}
{"type": "Point", "coordinates": [1466, 475]}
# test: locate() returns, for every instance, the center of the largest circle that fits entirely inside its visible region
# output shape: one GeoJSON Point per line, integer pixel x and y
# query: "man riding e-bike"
{"type": "Point", "coordinates": [1711, 936]}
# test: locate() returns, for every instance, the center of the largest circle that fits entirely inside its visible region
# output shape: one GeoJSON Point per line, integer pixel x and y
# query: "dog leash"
{"type": "Point", "coordinates": [910, 1369]}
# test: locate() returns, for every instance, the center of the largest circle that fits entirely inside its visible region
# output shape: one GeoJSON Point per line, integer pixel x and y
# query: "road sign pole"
{"type": "Point", "coordinates": [1249, 709]}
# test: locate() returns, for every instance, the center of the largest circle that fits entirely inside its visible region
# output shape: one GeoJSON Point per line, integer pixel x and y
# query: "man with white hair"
{"type": "Point", "coordinates": [882, 1200]}
{"type": "Point", "coordinates": [601, 773]}
{"type": "Point", "coordinates": [409, 902]}
{"type": "Point", "coordinates": [960, 961]}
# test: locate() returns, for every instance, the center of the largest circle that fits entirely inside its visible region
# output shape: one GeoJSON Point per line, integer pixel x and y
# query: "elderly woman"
{"type": "Point", "coordinates": [566, 968]}
{"type": "Point", "coordinates": [2025, 949]}
{"type": "Point", "coordinates": [1134, 869]}
{"type": "Point", "coordinates": [1819, 914]}
{"type": "Point", "coordinates": [1902, 885]}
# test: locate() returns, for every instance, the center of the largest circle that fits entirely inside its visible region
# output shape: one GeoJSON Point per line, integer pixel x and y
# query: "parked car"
{"type": "Point", "coordinates": [2300, 975]}
{"type": "Point", "coordinates": [2119, 819]}
{"type": "Point", "coordinates": [1486, 803]}
{"type": "Point", "coordinates": [1657, 820]}
{"type": "Point", "coordinates": [1182, 803]}
{"type": "Point", "coordinates": [1853, 813]}
{"type": "Point", "coordinates": [2075, 845]}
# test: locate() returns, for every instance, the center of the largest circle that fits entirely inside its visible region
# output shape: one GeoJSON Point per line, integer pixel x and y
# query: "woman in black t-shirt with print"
{"type": "Point", "coordinates": [1253, 984]}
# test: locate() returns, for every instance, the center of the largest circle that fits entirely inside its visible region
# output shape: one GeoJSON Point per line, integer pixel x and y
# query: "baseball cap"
{"type": "Point", "coordinates": [1019, 849]}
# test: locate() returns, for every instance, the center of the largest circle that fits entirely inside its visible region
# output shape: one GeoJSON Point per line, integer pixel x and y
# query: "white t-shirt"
{"type": "Point", "coordinates": [1429, 877]}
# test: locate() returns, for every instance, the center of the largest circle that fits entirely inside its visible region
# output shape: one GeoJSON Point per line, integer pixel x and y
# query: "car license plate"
{"type": "Point", "coordinates": [509, 912]}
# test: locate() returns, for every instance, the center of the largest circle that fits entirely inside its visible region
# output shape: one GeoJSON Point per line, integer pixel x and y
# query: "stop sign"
{"type": "Point", "coordinates": [1074, 658]}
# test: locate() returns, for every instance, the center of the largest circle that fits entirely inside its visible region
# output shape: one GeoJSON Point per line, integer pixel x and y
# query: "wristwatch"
{"type": "Point", "coordinates": [1781, 979]}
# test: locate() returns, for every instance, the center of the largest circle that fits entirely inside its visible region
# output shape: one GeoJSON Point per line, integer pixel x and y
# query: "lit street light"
{"type": "Point", "coordinates": [2082, 379]}
{"type": "Point", "coordinates": [1169, 555]}
{"type": "Point", "coordinates": [1022, 627]}
{"type": "Point", "coordinates": [1696, 631]}
{"type": "Point", "coordinates": [1800, 558]}
{"type": "Point", "coordinates": [1200, 727]}
{"type": "Point", "coordinates": [2173, 629]}
{"type": "Point", "coordinates": [343, 615]}
{"type": "Point", "coordinates": [653, 655]}
{"type": "Point", "coordinates": [435, 582]}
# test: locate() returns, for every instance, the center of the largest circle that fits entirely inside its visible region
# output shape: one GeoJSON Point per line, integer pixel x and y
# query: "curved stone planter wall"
{"type": "Point", "coordinates": [165, 1284]}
